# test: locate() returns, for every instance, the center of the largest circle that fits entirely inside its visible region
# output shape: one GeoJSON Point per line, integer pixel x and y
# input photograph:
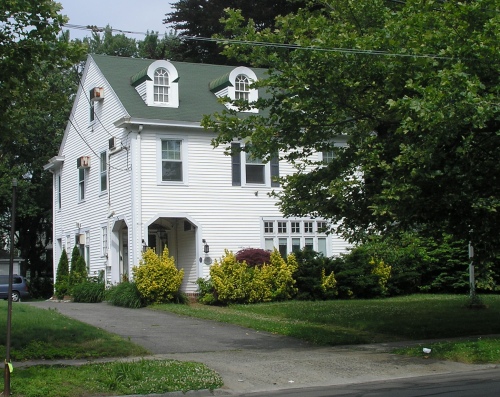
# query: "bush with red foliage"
{"type": "Point", "coordinates": [253, 256]}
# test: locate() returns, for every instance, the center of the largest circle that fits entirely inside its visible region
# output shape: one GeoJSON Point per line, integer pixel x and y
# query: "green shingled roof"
{"type": "Point", "coordinates": [195, 97]}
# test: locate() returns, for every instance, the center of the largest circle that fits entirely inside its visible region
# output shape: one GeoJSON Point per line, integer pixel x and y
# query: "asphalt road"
{"type": "Point", "coordinates": [250, 361]}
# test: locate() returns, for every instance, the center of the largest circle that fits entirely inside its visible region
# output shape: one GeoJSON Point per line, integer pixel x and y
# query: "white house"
{"type": "Point", "coordinates": [136, 169]}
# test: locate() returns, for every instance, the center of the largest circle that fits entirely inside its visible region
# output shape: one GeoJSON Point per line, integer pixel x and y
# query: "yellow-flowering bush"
{"type": "Point", "coordinates": [234, 281]}
{"type": "Point", "coordinates": [383, 271]}
{"type": "Point", "coordinates": [156, 277]}
{"type": "Point", "coordinates": [328, 282]}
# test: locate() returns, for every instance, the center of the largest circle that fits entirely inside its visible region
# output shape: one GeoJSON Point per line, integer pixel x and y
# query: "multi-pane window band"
{"type": "Point", "coordinates": [171, 160]}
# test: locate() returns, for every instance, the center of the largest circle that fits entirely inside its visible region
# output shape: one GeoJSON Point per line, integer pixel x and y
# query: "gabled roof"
{"type": "Point", "coordinates": [195, 97]}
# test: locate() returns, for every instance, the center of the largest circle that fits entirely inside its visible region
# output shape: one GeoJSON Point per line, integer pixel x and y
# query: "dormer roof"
{"type": "Point", "coordinates": [195, 81]}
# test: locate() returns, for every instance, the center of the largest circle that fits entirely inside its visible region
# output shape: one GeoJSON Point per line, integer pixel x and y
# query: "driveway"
{"type": "Point", "coordinates": [250, 360]}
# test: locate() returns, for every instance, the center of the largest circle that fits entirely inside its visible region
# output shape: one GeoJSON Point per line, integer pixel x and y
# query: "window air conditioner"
{"type": "Point", "coordinates": [97, 94]}
{"type": "Point", "coordinates": [83, 162]}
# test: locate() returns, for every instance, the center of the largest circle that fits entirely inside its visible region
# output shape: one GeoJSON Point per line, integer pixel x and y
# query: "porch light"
{"type": "Point", "coordinates": [206, 248]}
{"type": "Point", "coordinates": [144, 246]}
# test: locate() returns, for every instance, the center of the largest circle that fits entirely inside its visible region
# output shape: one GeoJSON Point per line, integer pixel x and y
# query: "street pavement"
{"type": "Point", "coordinates": [252, 361]}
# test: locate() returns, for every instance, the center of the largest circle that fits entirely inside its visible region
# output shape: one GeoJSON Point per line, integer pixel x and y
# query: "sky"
{"type": "Point", "coordinates": [126, 15]}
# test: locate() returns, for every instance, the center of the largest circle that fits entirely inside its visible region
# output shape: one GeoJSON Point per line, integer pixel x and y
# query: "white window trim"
{"type": "Point", "coordinates": [253, 94]}
{"type": "Point", "coordinates": [184, 159]}
{"type": "Point", "coordinates": [173, 77]}
{"type": "Point", "coordinates": [267, 172]}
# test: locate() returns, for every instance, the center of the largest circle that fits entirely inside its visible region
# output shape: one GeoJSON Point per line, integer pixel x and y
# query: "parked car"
{"type": "Point", "coordinates": [19, 288]}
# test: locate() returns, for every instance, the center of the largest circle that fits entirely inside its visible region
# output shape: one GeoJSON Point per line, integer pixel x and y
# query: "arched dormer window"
{"type": "Point", "coordinates": [236, 85]}
{"type": "Point", "coordinates": [158, 84]}
{"type": "Point", "coordinates": [241, 87]}
{"type": "Point", "coordinates": [161, 86]}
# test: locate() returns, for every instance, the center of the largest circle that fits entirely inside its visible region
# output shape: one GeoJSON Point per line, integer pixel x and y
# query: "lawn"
{"type": "Point", "coordinates": [344, 322]}
{"type": "Point", "coordinates": [46, 334]}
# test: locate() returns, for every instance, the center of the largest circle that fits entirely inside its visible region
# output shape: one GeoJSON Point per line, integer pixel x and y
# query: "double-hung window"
{"type": "Point", "coordinates": [248, 170]}
{"type": "Point", "coordinates": [171, 160]}
{"type": "Point", "coordinates": [103, 167]}
{"type": "Point", "coordinates": [81, 184]}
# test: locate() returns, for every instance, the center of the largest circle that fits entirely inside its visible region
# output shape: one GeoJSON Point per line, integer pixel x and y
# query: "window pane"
{"type": "Point", "coordinates": [171, 171]}
{"type": "Point", "coordinates": [283, 247]}
{"type": "Point", "coordinates": [295, 227]}
{"type": "Point", "coordinates": [322, 245]}
{"type": "Point", "coordinates": [309, 244]}
{"type": "Point", "coordinates": [282, 227]}
{"type": "Point", "coordinates": [268, 227]}
{"type": "Point", "coordinates": [255, 173]}
{"type": "Point", "coordinates": [308, 227]}
{"type": "Point", "coordinates": [295, 244]}
{"type": "Point", "coordinates": [269, 244]}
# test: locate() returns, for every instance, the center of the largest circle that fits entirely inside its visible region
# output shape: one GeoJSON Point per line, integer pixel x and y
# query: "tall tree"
{"type": "Point", "coordinates": [202, 18]}
{"type": "Point", "coordinates": [414, 88]}
{"type": "Point", "coordinates": [36, 84]}
{"type": "Point", "coordinates": [111, 44]}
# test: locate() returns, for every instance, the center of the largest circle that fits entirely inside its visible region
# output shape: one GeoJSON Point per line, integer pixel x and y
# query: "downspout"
{"type": "Point", "coordinates": [136, 199]}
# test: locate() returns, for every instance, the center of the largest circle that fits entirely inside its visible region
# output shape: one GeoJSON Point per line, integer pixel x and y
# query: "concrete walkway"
{"type": "Point", "coordinates": [249, 360]}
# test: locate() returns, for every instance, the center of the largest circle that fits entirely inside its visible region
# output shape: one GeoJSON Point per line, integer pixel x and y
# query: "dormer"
{"type": "Point", "coordinates": [236, 86]}
{"type": "Point", "coordinates": [158, 84]}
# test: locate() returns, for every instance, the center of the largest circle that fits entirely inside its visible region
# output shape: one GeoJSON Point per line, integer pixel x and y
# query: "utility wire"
{"type": "Point", "coordinates": [272, 44]}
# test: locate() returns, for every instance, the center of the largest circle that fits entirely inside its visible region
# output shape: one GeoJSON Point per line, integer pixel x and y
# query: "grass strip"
{"type": "Point", "coordinates": [117, 378]}
{"type": "Point", "coordinates": [47, 334]}
{"type": "Point", "coordinates": [476, 351]}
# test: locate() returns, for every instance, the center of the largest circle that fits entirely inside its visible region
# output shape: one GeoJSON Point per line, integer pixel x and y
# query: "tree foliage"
{"type": "Point", "coordinates": [414, 88]}
{"type": "Point", "coordinates": [152, 47]}
{"type": "Point", "coordinates": [202, 18]}
{"type": "Point", "coordinates": [37, 81]}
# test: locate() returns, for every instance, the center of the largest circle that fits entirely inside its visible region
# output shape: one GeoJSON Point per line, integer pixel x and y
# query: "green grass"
{"type": "Point", "coordinates": [47, 334]}
{"type": "Point", "coordinates": [473, 351]}
{"type": "Point", "coordinates": [118, 378]}
{"type": "Point", "coordinates": [344, 322]}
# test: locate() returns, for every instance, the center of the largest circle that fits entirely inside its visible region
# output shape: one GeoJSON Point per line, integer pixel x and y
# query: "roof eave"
{"type": "Point", "coordinates": [54, 163]}
{"type": "Point", "coordinates": [125, 122]}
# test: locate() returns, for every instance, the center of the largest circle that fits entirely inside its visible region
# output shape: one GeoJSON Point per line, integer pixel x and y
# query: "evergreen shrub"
{"type": "Point", "coordinates": [61, 285]}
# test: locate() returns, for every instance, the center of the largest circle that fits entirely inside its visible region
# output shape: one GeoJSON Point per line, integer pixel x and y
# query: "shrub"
{"type": "Point", "coordinates": [89, 292]}
{"type": "Point", "coordinates": [78, 273]}
{"type": "Point", "coordinates": [41, 287]}
{"type": "Point", "coordinates": [315, 277]}
{"type": "Point", "coordinates": [125, 294]}
{"type": "Point", "coordinates": [232, 281]}
{"type": "Point", "coordinates": [253, 256]}
{"type": "Point", "coordinates": [62, 276]}
{"type": "Point", "coordinates": [157, 278]}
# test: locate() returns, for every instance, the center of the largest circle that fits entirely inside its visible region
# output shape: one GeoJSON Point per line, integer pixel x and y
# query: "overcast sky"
{"type": "Point", "coordinates": [127, 15]}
